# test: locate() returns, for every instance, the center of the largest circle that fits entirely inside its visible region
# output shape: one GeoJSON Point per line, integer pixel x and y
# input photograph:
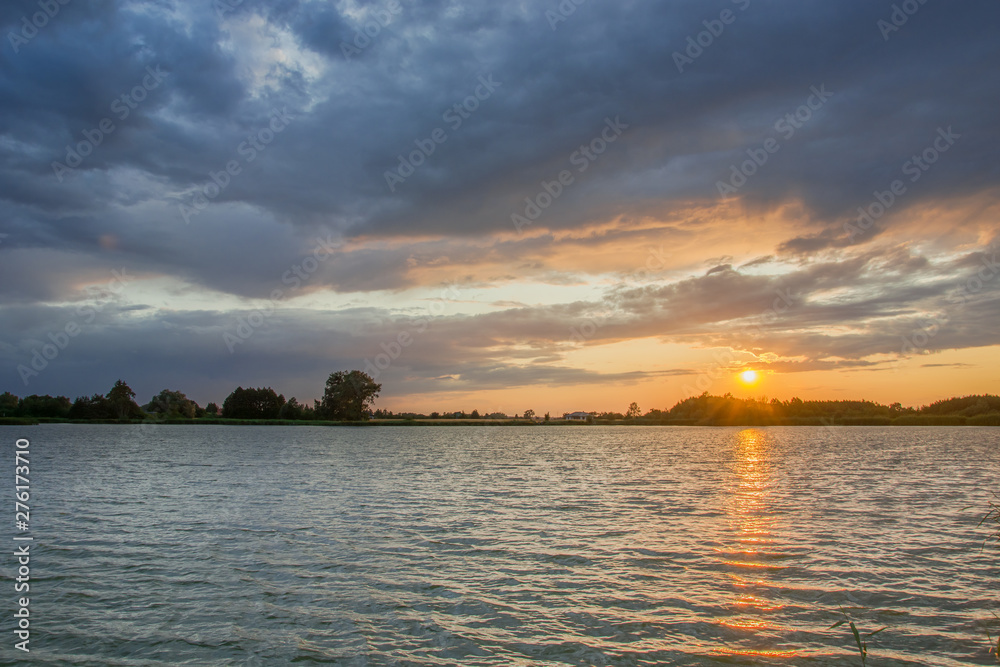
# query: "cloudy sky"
{"type": "Point", "coordinates": [501, 205]}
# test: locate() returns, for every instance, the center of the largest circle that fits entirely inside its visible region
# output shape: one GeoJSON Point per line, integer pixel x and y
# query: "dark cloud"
{"type": "Point", "coordinates": [133, 199]}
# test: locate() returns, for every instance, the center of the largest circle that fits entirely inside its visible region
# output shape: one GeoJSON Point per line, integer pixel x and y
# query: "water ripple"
{"type": "Point", "coordinates": [509, 546]}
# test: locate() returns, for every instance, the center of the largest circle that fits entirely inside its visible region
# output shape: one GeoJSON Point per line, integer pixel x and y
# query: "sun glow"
{"type": "Point", "coordinates": [748, 377]}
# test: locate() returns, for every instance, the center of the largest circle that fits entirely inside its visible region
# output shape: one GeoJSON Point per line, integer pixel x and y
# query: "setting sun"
{"type": "Point", "coordinates": [748, 377]}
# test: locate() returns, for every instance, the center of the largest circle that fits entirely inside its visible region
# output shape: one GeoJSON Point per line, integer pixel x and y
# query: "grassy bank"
{"type": "Point", "coordinates": [17, 421]}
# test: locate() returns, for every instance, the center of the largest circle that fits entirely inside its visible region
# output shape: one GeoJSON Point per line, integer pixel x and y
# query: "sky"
{"type": "Point", "coordinates": [501, 205]}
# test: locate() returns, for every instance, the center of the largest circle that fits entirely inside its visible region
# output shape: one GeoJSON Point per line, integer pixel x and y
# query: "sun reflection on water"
{"type": "Point", "coordinates": [752, 557]}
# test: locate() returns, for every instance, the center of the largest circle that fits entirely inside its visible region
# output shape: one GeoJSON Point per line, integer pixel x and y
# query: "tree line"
{"type": "Point", "coordinates": [347, 396]}
{"type": "Point", "coordinates": [981, 410]}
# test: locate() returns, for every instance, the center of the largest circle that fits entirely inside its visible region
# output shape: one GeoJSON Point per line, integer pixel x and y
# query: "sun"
{"type": "Point", "coordinates": [748, 377]}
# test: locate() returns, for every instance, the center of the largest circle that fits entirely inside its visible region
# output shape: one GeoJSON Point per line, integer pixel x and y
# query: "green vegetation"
{"type": "Point", "coordinates": [993, 516]}
{"type": "Point", "coordinates": [862, 644]}
{"type": "Point", "coordinates": [994, 641]}
{"type": "Point", "coordinates": [261, 403]}
{"type": "Point", "coordinates": [706, 410]}
{"type": "Point", "coordinates": [175, 405]}
{"type": "Point", "coordinates": [348, 397]}
{"type": "Point", "coordinates": [121, 400]}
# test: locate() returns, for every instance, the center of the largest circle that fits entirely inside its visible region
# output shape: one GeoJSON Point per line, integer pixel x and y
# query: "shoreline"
{"type": "Point", "coordinates": [923, 420]}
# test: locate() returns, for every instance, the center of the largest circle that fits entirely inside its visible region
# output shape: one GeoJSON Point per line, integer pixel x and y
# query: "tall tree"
{"type": "Point", "coordinates": [123, 401]}
{"type": "Point", "coordinates": [349, 395]}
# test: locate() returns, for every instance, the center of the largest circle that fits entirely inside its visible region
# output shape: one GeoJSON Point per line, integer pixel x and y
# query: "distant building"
{"type": "Point", "coordinates": [576, 416]}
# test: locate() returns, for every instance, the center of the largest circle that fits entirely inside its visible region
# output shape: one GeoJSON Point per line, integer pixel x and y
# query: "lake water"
{"type": "Point", "coordinates": [214, 545]}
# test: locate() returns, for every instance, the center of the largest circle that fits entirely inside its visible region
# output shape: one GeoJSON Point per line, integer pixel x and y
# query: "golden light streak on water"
{"type": "Point", "coordinates": [751, 518]}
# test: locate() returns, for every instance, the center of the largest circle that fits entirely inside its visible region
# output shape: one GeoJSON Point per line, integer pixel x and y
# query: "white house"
{"type": "Point", "coordinates": [576, 416]}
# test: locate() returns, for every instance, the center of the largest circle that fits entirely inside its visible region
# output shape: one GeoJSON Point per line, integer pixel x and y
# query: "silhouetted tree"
{"type": "Point", "coordinates": [261, 403]}
{"type": "Point", "coordinates": [44, 406]}
{"type": "Point", "coordinates": [92, 407]}
{"type": "Point", "coordinates": [123, 401]}
{"type": "Point", "coordinates": [349, 395]}
{"type": "Point", "coordinates": [173, 404]}
{"type": "Point", "coordinates": [8, 404]}
{"type": "Point", "coordinates": [290, 410]}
